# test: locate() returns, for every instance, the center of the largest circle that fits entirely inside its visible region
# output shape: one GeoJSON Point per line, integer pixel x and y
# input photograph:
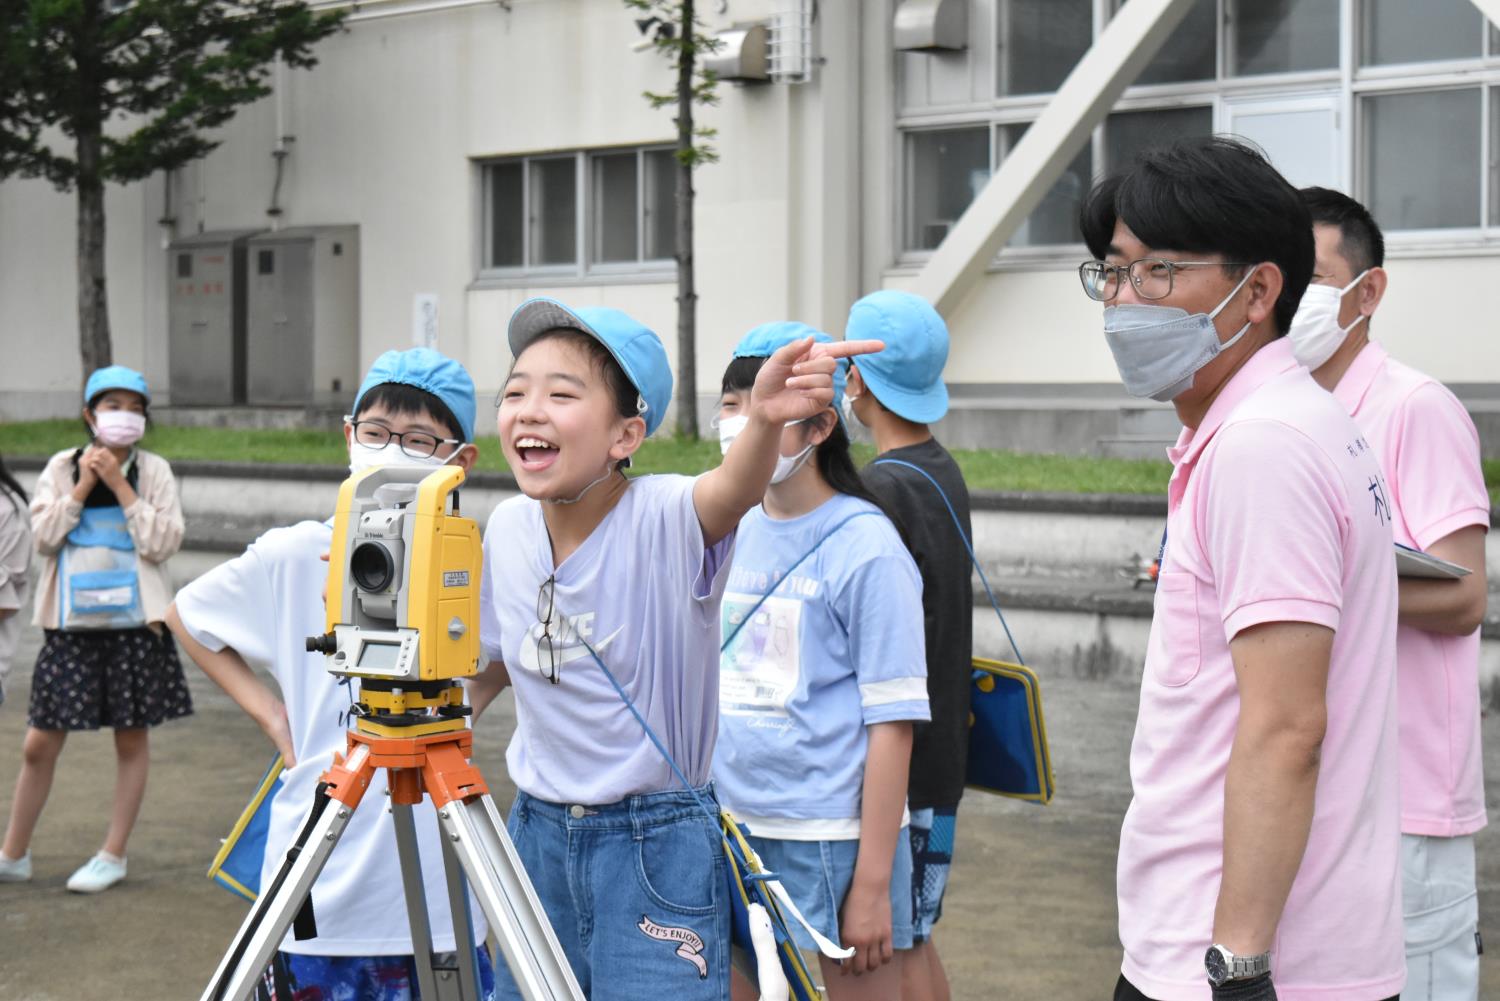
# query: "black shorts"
{"type": "Point", "coordinates": [121, 678]}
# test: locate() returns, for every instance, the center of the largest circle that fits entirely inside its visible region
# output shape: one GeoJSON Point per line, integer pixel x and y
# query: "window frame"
{"type": "Point", "coordinates": [584, 269]}
{"type": "Point", "coordinates": [1347, 83]}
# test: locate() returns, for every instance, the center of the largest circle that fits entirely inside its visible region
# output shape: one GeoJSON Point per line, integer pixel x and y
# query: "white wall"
{"type": "Point", "coordinates": [795, 220]}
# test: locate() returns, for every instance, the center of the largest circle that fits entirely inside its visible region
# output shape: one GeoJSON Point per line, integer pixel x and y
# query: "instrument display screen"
{"type": "Point", "coordinates": [378, 656]}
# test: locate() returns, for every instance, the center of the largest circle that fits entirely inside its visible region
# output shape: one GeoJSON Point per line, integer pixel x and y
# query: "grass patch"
{"type": "Point", "coordinates": [984, 469]}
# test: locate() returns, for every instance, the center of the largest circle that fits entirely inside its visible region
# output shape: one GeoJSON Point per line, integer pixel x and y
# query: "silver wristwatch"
{"type": "Point", "coordinates": [1224, 966]}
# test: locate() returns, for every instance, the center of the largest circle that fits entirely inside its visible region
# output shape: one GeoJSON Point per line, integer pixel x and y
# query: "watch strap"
{"type": "Point", "coordinates": [1247, 967]}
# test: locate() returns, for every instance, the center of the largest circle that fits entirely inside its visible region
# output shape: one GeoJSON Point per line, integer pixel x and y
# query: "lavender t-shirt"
{"type": "Point", "coordinates": [644, 592]}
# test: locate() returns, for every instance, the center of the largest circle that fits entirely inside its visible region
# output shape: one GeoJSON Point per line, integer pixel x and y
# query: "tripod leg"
{"type": "Point", "coordinates": [273, 911]}
{"type": "Point", "coordinates": [467, 971]}
{"type": "Point", "coordinates": [532, 951]}
{"type": "Point", "coordinates": [416, 897]}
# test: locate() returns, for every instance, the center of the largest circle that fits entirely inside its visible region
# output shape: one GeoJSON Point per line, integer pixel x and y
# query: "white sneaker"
{"type": "Point", "coordinates": [97, 874]}
{"type": "Point", "coordinates": [15, 870]}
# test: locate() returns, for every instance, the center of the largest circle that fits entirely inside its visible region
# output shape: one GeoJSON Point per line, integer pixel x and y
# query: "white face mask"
{"type": "Point", "coordinates": [119, 428]}
{"type": "Point", "coordinates": [362, 457]}
{"type": "Point", "coordinates": [786, 465]}
{"type": "Point", "coordinates": [729, 430]}
{"type": "Point", "coordinates": [851, 419]}
{"type": "Point", "coordinates": [1315, 332]}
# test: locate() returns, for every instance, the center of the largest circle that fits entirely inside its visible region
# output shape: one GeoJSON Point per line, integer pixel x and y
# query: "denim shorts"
{"type": "Point", "coordinates": [817, 875]}
{"type": "Point", "coordinates": [637, 892]}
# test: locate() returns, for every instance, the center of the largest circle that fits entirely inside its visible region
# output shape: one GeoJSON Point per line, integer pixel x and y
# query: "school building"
{"type": "Point", "coordinates": [449, 158]}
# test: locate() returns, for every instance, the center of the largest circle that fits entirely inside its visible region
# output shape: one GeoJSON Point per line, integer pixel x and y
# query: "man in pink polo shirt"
{"type": "Point", "coordinates": [1259, 856]}
{"type": "Point", "coordinates": [1430, 453]}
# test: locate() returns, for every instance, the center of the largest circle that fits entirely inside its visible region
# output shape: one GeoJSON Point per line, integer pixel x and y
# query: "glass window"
{"type": "Point", "coordinates": [1040, 41]}
{"type": "Point", "coordinates": [944, 171]}
{"type": "Point", "coordinates": [661, 204]}
{"type": "Point", "coordinates": [1126, 133]}
{"type": "Point", "coordinates": [507, 214]}
{"type": "Point", "coordinates": [1190, 53]}
{"type": "Point", "coordinates": [1281, 36]}
{"type": "Point", "coordinates": [1495, 156]}
{"type": "Point", "coordinates": [1401, 31]}
{"type": "Point", "coordinates": [614, 215]}
{"type": "Point", "coordinates": [554, 211]}
{"type": "Point", "coordinates": [1055, 220]}
{"type": "Point", "coordinates": [1422, 159]}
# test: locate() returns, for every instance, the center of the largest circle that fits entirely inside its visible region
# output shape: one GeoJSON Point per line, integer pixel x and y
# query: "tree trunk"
{"type": "Point", "coordinates": [687, 293]}
{"type": "Point", "coordinates": [93, 308]}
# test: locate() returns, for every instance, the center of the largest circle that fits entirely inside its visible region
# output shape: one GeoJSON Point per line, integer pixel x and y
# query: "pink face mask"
{"type": "Point", "coordinates": [119, 428]}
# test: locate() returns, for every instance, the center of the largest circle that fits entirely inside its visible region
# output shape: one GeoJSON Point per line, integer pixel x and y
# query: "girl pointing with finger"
{"type": "Point", "coordinates": [590, 563]}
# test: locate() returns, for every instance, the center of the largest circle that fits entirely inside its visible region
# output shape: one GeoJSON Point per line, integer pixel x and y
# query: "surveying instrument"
{"type": "Point", "coordinates": [403, 619]}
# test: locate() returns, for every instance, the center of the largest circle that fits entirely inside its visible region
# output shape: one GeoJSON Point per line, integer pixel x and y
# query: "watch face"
{"type": "Point", "coordinates": [1218, 968]}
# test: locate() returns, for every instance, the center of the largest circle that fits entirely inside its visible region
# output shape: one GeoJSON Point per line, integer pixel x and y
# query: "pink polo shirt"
{"type": "Point", "coordinates": [1430, 453]}
{"type": "Point", "coordinates": [1276, 513]}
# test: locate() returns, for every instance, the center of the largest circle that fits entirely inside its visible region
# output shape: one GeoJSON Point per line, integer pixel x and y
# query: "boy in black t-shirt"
{"type": "Point", "coordinates": [897, 393]}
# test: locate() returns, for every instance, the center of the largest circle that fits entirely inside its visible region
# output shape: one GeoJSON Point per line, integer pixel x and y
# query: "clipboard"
{"type": "Point", "coordinates": [237, 865]}
{"type": "Point", "coordinates": [1415, 563]}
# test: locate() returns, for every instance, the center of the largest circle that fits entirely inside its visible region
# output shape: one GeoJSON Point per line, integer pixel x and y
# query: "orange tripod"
{"type": "Point", "coordinates": [475, 845]}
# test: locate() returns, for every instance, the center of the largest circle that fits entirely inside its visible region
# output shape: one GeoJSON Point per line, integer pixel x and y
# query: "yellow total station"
{"type": "Point", "coordinates": [403, 595]}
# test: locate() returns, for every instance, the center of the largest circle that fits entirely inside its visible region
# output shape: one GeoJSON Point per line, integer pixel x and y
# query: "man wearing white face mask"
{"type": "Point", "coordinates": [1258, 858]}
{"type": "Point", "coordinates": [414, 408]}
{"type": "Point", "coordinates": [1429, 450]}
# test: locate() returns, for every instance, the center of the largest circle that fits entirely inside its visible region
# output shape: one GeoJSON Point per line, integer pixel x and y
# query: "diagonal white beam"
{"type": "Point", "coordinates": [1117, 57]}
{"type": "Point", "coordinates": [1490, 9]}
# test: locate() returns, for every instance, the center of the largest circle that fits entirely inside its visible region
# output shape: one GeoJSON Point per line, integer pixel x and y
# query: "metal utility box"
{"type": "Point", "coordinates": [302, 316]}
{"type": "Point", "coordinates": [206, 318]}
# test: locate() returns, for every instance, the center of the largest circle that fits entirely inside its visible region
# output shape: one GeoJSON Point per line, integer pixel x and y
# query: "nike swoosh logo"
{"type": "Point", "coordinates": [565, 655]}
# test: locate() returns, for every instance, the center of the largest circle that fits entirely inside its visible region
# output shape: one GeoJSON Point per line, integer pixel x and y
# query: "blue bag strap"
{"type": "Point", "coordinates": [800, 560]}
{"type": "Point", "coordinates": [959, 526]}
{"type": "Point", "coordinates": [656, 741]}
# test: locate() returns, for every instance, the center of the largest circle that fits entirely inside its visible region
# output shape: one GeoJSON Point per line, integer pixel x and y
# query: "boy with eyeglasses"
{"type": "Point", "coordinates": [415, 408]}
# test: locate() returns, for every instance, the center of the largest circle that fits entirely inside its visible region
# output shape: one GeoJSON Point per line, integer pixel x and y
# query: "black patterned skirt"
{"type": "Point", "coordinates": [123, 678]}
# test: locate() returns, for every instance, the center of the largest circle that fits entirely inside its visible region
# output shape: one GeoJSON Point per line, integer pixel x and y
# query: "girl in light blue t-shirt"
{"type": "Point", "coordinates": [590, 563]}
{"type": "Point", "coordinates": [822, 673]}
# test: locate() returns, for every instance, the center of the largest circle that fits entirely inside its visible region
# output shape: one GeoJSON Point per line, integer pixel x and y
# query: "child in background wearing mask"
{"type": "Point", "coordinates": [589, 562]}
{"type": "Point", "coordinates": [415, 408]}
{"type": "Point", "coordinates": [820, 684]}
{"type": "Point", "coordinates": [897, 394]}
{"type": "Point", "coordinates": [128, 678]}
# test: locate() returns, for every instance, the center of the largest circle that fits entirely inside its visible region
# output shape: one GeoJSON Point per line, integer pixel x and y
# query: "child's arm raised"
{"type": "Point", "coordinates": [865, 921]}
{"type": "Point", "coordinates": [230, 672]}
{"type": "Point", "coordinates": [794, 383]}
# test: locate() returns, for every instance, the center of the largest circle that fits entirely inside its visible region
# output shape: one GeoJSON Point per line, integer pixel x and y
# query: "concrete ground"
{"type": "Point", "coordinates": [1030, 914]}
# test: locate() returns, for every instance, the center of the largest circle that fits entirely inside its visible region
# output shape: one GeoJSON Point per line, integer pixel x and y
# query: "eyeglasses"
{"type": "Point", "coordinates": [1151, 277]}
{"type": "Point", "coordinates": [417, 444]}
{"type": "Point", "coordinates": [546, 643]}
